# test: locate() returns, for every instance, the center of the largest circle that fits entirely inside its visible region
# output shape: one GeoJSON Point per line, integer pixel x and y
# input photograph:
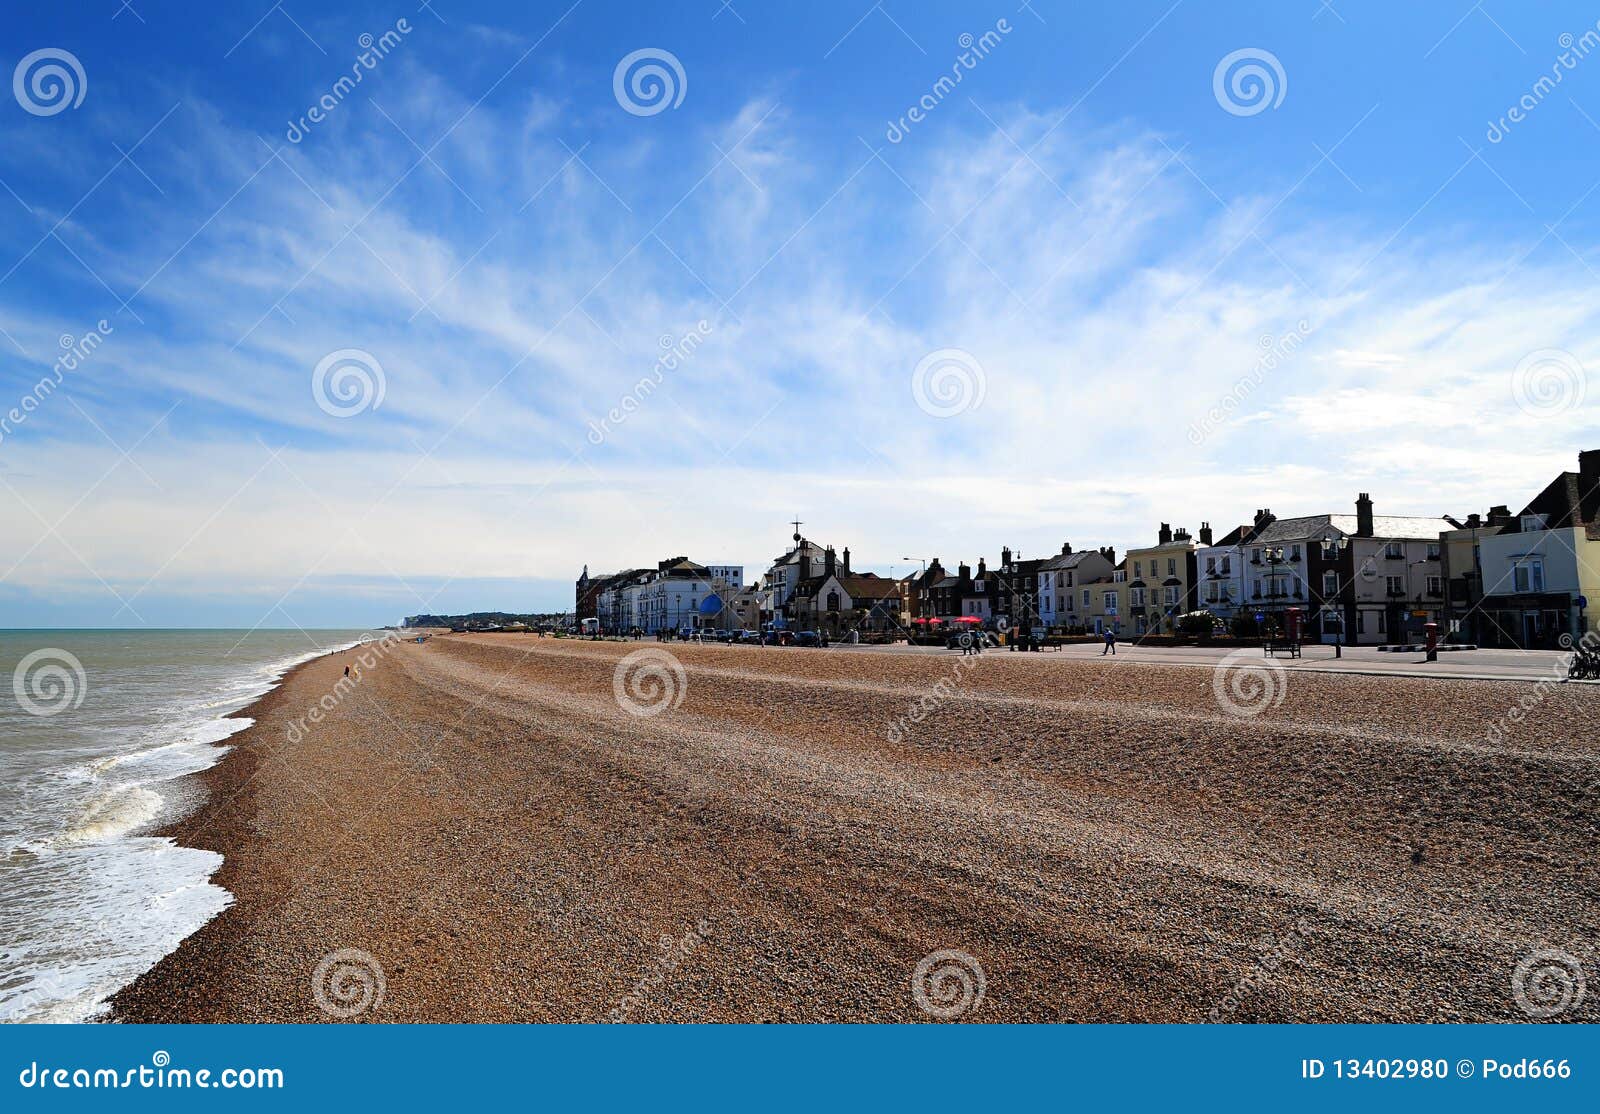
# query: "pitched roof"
{"type": "Point", "coordinates": [1565, 505]}
{"type": "Point", "coordinates": [1068, 560]}
{"type": "Point", "coordinates": [868, 586]}
{"type": "Point", "coordinates": [1316, 525]}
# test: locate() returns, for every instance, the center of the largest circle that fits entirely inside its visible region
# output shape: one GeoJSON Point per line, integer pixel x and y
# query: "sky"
{"type": "Point", "coordinates": [569, 284]}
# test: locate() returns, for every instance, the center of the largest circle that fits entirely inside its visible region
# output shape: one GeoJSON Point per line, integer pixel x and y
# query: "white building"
{"type": "Point", "coordinates": [1061, 582]}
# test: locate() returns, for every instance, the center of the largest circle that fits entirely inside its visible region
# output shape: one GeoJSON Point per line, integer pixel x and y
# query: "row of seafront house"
{"type": "Point", "coordinates": [1495, 579]}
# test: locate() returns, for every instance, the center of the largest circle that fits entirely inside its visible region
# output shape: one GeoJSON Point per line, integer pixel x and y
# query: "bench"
{"type": "Point", "coordinates": [1273, 647]}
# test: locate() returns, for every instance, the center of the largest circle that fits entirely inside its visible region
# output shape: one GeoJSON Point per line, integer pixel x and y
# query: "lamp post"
{"type": "Point", "coordinates": [1338, 545]}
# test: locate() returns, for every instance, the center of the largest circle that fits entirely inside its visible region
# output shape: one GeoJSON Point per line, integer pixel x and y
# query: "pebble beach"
{"type": "Point", "coordinates": [504, 828]}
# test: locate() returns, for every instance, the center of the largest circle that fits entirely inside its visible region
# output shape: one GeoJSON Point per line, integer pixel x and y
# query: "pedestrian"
{"type": "Point", "coordinates": [1111, 643]}
{"type": "Point", "coordinates": [347, 671]}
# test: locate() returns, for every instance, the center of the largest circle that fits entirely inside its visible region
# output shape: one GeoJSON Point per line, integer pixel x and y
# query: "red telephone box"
{"type": "Point", "coordinates": [1292, 619]}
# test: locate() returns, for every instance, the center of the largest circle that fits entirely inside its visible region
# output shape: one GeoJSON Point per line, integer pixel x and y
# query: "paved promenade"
{"type": "Point", "coordinates": [1499, 665]}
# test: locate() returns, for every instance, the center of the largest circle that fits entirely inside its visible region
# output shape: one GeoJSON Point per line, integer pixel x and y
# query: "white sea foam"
{"type": "Point", "coordinates": [88, 901]}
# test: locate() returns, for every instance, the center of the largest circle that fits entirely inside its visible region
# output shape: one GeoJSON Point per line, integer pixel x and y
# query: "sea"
{"type": "Point", "coordinates": [99, 732]}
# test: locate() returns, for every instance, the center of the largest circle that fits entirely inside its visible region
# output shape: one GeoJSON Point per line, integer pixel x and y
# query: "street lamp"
{"type": "Point", "coordinates": [1338, 545]}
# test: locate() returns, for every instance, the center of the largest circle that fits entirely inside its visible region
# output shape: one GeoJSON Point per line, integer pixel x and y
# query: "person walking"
{"type": "Point", "coordinates": [1111, 643]}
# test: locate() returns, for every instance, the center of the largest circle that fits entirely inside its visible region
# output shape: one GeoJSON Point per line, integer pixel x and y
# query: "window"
{"type": "Point", "coordinates": [1294, 553]}
{"type": "Point", "coordinates": [1138, 570]}
{"type": "Point", "coordinates": [1527, 575]}
{"type": "Point", "coordinates": [1258, 586]}
{"type": "Point", "coordinates": [1382, 622]}
{"type": "Point", "coordinates": [1211, 566]}
{"type": "Point", "coordinates": [1110, 602]}
{"type": "Point", "coordinates": [1361, 622]}
{"type": "Point", "coordinates": [1394, 550]}
{"type": "Point", "coordinates": [1086, 598]}
{"type": "Point", "coordinates": [1330, 584]}
{"type": "Point", "coordinates": [1172, 595]}
{"type": "Point", "coordinates": [1225, 566]}
{"type": "Point", "coordinates": [1433, 551]}
{"type": "Point", "coordinates": [1172, 566]}
{"type": "Point", "coordinates": [1531, 522]}
{"type": "Point", "coordinates": [1136, 597]}
{"type": "Point", "coordinates": [1396, 585]}
{"type": "Point", "coordinates": [1435, 586]}
{"type": "Point", "coordinates": [1255, 556]}
{"type": "Point", "coordinates": [833, 601]}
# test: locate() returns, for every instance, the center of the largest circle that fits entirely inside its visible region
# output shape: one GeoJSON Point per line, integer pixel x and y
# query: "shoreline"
{"type": "Point", "coordinates": [485, 825]}
{"type": "Point", "coordinates": [216, 822]}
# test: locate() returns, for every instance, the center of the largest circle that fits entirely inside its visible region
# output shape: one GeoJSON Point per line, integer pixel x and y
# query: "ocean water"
{"type": "Point", "coordinates": [97, 732]}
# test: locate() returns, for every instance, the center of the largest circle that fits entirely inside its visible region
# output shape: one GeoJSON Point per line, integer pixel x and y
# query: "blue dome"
{"type": "Point", "coordinates": [711, 604]}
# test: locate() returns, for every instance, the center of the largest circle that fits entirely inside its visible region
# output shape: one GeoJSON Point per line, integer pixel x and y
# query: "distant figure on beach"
{"type": "Point", "coordinates": [1111, 643]}
{"type": "Point", "coordinates": [347, 671]}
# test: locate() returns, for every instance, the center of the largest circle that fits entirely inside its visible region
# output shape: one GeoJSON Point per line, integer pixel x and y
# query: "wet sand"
{"type": "Point", "coordinates": [484, 819]}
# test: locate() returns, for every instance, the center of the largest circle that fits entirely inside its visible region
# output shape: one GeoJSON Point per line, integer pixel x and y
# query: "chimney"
{"type": "Point", "coordinates": [1182, 535]}
{"type": "Point", "coordinates": [964, 571]}
{"type": "Point", "coordinates": [1109, 552]}
{"type": "Point", "coordinates": [846, 560]}
{"type": "Point", "coordinates": [981, 569]}
{"type": "Point", "coordinates": [1499, 515]}
{"type": "Point", "coordinates": [1264, 518]}
{"type": "Point", "coordinates": [1005, 557]}
{"type": "Point", "coordinates": [1165, 534]}
{"type": "Point", "coordinates": [1589, 466]}
{"type": "Point", "coordinates": [1474, 521]}
{"type": "Point", "coordinates": [1066, 549]}
{"type": "Point", "coordinates": [1364, 515]}
{"type": "Point", "coordinates": [1205, 533]}
{"type": "Point", "coordinates": [828, 562]}
{"type": "Point", "coordinates": [805, 564]}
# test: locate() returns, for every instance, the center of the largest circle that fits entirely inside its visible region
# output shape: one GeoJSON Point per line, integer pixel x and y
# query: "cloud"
{"type": "Point", "coordinates": [513, 292]}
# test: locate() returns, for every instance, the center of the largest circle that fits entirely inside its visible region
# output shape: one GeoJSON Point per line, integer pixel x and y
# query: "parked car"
{"type": "Point", "coordinates": [746, 638]}
{"type": "Point", "coordinates": [954, 640]}
{"type": "Point", "coordinates": [808, 638]}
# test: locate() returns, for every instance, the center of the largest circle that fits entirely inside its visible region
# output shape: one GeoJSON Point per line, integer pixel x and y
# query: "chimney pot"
{"type": "Point", "coordinates": [1589, 464]}
{"type": "Point", "coordinates": [1364, 522]}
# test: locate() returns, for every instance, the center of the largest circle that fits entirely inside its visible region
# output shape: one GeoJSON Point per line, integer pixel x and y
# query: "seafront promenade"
{"type": "Point", "coordinates": [509, 828]}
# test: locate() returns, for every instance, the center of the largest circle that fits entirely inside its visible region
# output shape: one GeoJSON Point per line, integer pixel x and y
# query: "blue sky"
{"type": "Point", "coordinates": [1094, 287]}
